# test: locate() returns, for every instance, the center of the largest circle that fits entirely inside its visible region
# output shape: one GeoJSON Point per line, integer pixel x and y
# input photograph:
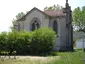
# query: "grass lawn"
{"type": "Point", "coordinates": [61, 58]}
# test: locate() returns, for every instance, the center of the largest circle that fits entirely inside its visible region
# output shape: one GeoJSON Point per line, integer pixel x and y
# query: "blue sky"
{"type": "Point", "coordinates": [10, 8]}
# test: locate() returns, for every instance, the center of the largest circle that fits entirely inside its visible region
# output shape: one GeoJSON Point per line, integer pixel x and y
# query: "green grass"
{"type": "Point", "coordinates": [70, 58]}
{"type": "Point", "coordinates": [65, 58]}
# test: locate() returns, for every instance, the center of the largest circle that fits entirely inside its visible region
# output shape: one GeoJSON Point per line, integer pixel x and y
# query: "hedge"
{"type": "Point", "coordinates": [38, 42]}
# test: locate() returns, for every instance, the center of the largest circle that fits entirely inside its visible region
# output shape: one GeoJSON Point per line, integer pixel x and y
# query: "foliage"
{"type": "Point", "coordinates": [79, 18]}
{"type": "Point", "coordinates": [19, 15]}
{"type": "Point", "coordinates": [43, 40]}
{"type": "Point", "coordinates": [14, 21]}
{"type": "Point", "coordinates": [23, 42]}
{"type": "Point", "coordinates": [37, 42]}
{"type": "Point", "coordinates": [54, 7]}
{"type": "Point", "coordinates": [3, 41]}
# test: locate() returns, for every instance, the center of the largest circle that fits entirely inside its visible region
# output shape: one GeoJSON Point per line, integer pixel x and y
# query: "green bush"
{"type": "Point", "coordinates": [23, 42]}
{"type": "Point", "coordinates": [38, 42]}
{"type": "Point", "coordinates": [43, 40]}
{"type": "Point", "coordinates": [19, 41]}
{"type": "Point", "coordinates": [3, 41]}
{"type": "Point", "coordinates": [11, 41]}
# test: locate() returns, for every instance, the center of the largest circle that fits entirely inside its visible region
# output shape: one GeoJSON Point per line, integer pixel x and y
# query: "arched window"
{"type": "Point", "coordinates": [55, 28]}
{"type": "Point", "coordinates": [35, 25]}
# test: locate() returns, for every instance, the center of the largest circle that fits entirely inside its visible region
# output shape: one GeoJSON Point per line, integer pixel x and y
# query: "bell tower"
{"type": "Point", "coordinates": [69, 27]}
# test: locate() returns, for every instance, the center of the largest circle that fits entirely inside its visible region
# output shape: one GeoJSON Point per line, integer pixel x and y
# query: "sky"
{"type": "Point", "coordinates": [10, 8]}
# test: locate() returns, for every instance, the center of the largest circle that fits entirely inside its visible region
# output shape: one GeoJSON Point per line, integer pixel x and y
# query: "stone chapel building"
{"type": "Point", "coordinates": [60, 21]}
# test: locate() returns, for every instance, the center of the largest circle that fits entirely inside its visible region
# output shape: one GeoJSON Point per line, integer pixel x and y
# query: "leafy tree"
{"type": "Point", "coordinates": [14, 21]}
{"type": "Point", "coordinates": [54, 7]}
{"type": "Point", "coordinates": [79, 18]}
{"type": "Point", "coordinates": [20, 15]}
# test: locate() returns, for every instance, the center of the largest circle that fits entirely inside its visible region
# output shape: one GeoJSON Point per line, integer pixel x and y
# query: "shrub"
{"type": "Point", "coordinates": [3, 41]}
{"type": "Point", "coordinates": [11, 41]}
{"type": "Point", "coordinates": [23, 42]}
{"type": "Point", "coordinates": [43, 40]}
{"type": "Point", "coordinates": [19, 42]}
{"type": "Point", "coordinates": [38, 42]}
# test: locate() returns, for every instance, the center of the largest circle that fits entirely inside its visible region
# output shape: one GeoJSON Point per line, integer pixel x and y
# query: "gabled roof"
{"type": "Point", "coordinates": [23, 18]}
{"type": "Point", "coordinates": [55, 13]}
{"type": "Point", "coordinates": [47, 13]}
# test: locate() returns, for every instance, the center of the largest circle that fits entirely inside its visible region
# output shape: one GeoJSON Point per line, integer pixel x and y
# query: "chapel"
{"type": "Point", "coordinates": [59, 20]}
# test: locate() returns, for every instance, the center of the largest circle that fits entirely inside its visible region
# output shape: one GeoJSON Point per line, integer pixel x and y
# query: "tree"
{"type": "Point", "coordinates": [79, 18]}
{"type": "Point", "coordinates": [54, 7]}
{"type": "Point", "coordinates": [14, 21]}
{"type": "Point", "coordinates": [20, 15]}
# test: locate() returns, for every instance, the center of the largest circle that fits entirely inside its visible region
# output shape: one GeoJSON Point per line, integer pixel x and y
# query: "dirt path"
{"type": "Point", "coordinates": [32, 57]}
